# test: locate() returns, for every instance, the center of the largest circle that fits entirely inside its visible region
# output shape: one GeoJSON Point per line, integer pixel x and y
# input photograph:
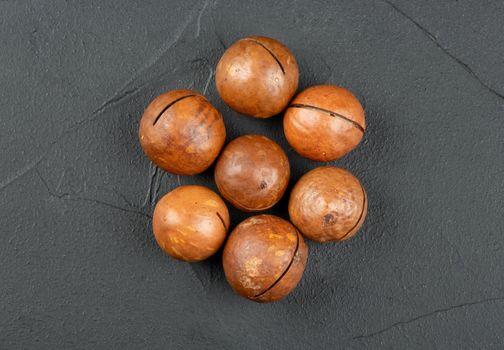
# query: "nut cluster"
{"type": "Point", "coordinates": [183, 133]}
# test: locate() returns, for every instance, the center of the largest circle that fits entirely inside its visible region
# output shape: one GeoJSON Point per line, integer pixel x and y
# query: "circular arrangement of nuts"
{"type": "Point", "coordinates": [264, 257]}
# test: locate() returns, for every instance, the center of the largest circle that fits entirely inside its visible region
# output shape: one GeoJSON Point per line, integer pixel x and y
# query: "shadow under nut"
{"type": "Point", "coordinates": [252, 173]}
{"type": "Point", "coordinates": [264, 258]}
{"type": "Point", "coordinates": [181, 132]}
{"type": "Point", "coordinates": [257, 76]}
{"type": "Point", "coordinates": [324, 122]}
{"type": "Point", "coordinates": [328, 204]}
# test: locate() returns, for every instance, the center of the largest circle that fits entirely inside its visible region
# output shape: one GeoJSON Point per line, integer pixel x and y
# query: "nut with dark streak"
{"type": "Point", "coordinates": [324, 122]}
{"type": "Point", "coordinates": [328, 204]}
{"type": "Point", "coordinates": [257, 76]}
{"type": "Point", "coordinates": [190, 223]}
{"type": "Point", "coordinates": [182, 132]}
{"type": "Point", "coordinates": [252, 173]}
{"type": "Point", "coordinates": [264, 258]}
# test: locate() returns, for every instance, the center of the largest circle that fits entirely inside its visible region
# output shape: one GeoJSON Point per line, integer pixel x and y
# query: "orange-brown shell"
{"type": "Point", "coordinates": [328, 204]}
{"type": "Point", "coordinates": [252, 173]}
{"type": "Point", "coordinates": [324, 122]}
{"type": "Point", "coordinates": [264, 258]}
{"type": "Point", "coordinates": [182, 132]}
{"type": "Point", "coordinates": [257, 76]}
{"type": "Point", "coordinates": [190, 223]}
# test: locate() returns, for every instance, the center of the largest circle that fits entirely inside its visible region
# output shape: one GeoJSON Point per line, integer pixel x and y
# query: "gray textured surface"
{"type": "Point", "coordinates": [78, 264]}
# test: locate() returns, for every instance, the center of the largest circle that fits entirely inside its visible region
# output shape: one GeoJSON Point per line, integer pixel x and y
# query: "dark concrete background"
{"type": "Point", "coordinates": [78, 264]}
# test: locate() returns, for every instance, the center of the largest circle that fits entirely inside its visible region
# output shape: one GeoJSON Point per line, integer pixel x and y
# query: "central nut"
{"type": "Point", "coordinates": [252, 173]}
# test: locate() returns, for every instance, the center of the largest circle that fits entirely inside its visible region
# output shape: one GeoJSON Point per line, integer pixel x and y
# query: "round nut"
{"type": "Point", "coordinates": [190, 223]}
{"type": "Point", "coordinates": [328, 204]}
{"type": "Point", "coordinates": [182, 132]}
{"type": "Point", "coordinates": [257, 76]}
{"type": "Point", "coordinates": [324, 122]}
{"type": "Point", "coordinates": [252, 173]}
{"type": "Point", "coordinates": [264, 258]}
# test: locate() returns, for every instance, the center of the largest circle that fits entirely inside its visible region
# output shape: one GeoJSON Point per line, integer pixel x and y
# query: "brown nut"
{"type": "Point", "coordinates": [190, 223]}
{"type": "Point", "coordinates": [328, 204]}
{"type": "Point", "coordinates": [257, 76]}
{"type": "Point", "coordinates": [264, 258]}
{"type": "Point", "coordinates": [324, 122]}
{"type": "Point", "coordinates": [182, 132]}
{"type": "Point", "coordinates": [252, 173]}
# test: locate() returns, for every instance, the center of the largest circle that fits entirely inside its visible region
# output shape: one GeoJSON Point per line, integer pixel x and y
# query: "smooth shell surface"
{"type": "Point", "coordinates": [328, 204]}
{"type": "Point", "coordinates": [252, 173]}
{"type": "Point", "coordinates": [264, 258]}
{"type": "Point", "coordinates": [190, 223]}
{"type": "Point", "coordinates": [324, 122]}
{"type": "Point", "coordinates": [257, 76]}
{"type": "Point", "coordinates": [182, 132]}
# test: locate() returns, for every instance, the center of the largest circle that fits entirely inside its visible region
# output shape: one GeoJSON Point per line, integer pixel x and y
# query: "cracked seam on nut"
{"type": "Point", "coordinates": [283, 273]}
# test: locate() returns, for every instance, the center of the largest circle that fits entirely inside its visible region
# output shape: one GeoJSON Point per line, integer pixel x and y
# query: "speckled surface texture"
{"type": "Point", "coordinates": [79, 267]}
